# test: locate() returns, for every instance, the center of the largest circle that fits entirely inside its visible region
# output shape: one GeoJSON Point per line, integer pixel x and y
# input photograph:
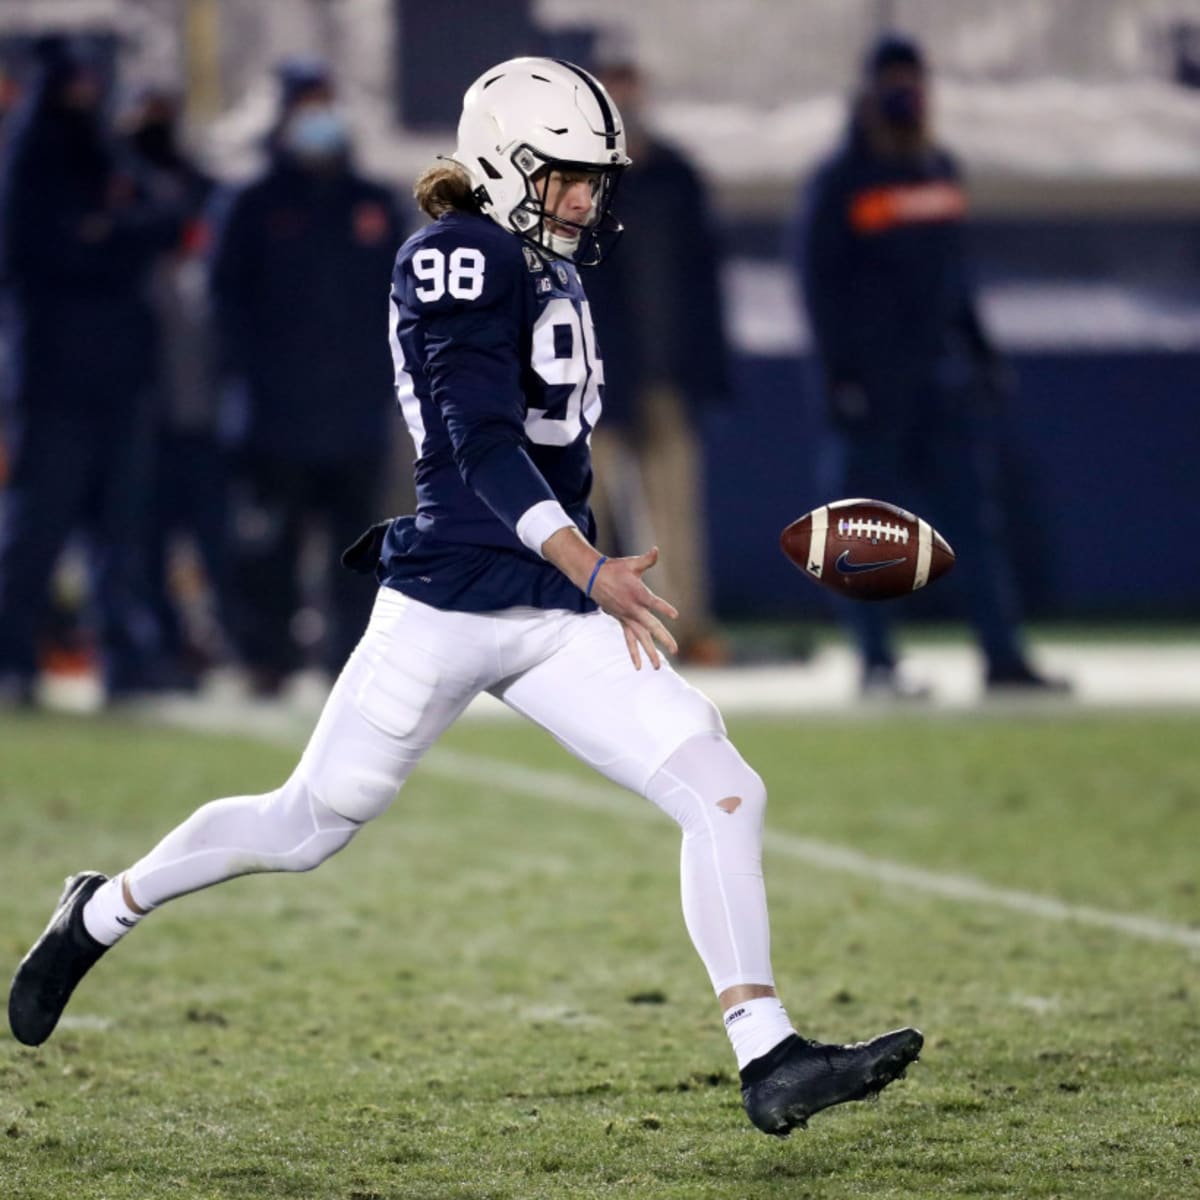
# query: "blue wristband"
{"type": "Point", "coordinates": [595, 571]}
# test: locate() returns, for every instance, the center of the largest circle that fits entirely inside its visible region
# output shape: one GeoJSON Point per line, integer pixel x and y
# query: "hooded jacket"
{"type": "Point", "coordinates": [301, 269]}
{"type": "Point", "coordinates": [879, 247]}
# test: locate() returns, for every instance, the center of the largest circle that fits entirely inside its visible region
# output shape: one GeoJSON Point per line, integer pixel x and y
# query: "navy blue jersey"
{"type": "Point", "coordinates": [500, 384]}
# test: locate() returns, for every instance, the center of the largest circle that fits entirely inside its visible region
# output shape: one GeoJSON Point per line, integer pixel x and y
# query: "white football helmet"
{"type": "Point", "coordinates": [528, 116]}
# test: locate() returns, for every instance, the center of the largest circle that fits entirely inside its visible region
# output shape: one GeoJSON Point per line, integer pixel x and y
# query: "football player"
{"type": "Point", "coordinates": [495, 586]}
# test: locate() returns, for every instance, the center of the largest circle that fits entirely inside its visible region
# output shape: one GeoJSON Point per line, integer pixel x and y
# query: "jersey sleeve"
{"type": "Point", "coordinates": [467, 296]}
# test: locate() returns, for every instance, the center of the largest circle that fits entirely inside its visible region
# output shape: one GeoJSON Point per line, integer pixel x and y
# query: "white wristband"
{"type": "Point", "coordinates": [536, 524]}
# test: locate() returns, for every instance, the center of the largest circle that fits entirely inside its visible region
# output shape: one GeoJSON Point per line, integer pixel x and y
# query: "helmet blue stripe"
{"type": "Point", "coordinates": [606, 112]}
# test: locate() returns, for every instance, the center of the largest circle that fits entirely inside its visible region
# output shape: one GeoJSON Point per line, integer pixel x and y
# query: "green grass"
{"type": "Point", "coordinates": [490, 995]}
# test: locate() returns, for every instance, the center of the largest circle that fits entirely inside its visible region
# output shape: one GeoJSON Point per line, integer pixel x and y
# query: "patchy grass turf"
{"type": "Point", "coordinates": [490, 995]}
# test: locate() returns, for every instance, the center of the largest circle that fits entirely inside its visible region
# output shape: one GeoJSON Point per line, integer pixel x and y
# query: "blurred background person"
{"type": "Point", "coordinates": [78, 234]}
{"type": "Point", "coordinates": [912, 386]}
{"type": "Point", "coordinates": [656, 305]}
{"type": "Point", "coordinates": [9, 94]}
{"type": "Point", "coordinates": [190, 478]}
{"type": "Point", "coordinates": [301, 269]}
{"type": "Point", "coordinates": [1085, 259]}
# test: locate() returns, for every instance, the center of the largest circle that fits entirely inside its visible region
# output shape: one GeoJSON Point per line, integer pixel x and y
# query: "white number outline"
{"type": "Point", "coordinates": [584, 370]}
{"type": "Point", "coordinates": [466, 263]}
{"type": "Point", "coordinates": [464, 280]}
{"type": "Point", "coordinates": [429, 265]}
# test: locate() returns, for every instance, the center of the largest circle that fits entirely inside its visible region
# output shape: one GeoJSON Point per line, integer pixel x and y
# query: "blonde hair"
{"type": "Point", "coordinates": [445, 187]}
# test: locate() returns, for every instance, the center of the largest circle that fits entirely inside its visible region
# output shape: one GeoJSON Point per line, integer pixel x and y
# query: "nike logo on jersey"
{"type": "Point", "coordinates": [846, 567]}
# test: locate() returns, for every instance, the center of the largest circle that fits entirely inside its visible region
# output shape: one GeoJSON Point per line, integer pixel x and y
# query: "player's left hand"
{"type": "Point", "coordinates": [622, 593]}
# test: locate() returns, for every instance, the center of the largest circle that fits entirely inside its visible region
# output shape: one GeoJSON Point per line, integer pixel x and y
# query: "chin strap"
{"type": "Point", "coordinates": [565, 247]}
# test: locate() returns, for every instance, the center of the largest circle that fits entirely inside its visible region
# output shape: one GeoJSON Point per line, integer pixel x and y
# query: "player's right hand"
{"type": "Point", "coordinates": [622, 593]}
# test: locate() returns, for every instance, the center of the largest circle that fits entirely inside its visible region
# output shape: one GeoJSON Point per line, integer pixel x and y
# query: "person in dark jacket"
{"type": "Point", "coordinates": [301, 269]}
{"type": "Point", "coordinates": [190, 478]}
{"type": "Point", "coordinates": [78, 234]}
{"type": "Point", "coordinates": [657, 309]}
{"type": "Point", "coordinates": [909, 377]}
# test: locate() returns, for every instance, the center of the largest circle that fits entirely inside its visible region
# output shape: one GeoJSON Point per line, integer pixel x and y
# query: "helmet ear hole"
{"type": "Point", "coordinates": [489, 170]}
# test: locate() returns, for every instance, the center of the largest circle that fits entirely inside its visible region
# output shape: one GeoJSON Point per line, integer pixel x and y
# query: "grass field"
{"type": "Point", "coordinates": [490, 994]}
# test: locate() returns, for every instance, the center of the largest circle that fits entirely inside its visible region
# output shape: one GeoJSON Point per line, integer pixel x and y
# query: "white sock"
{"type": "Point", "coordinates": [755, 1027]}
{"type": "Point", "coordinates": [106, 916]}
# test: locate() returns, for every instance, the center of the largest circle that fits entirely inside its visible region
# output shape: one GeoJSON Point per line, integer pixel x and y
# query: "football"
{"type": "Point", "coordinates": [867, 549]}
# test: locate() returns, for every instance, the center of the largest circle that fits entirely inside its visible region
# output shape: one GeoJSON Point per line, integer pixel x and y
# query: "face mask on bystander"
{"type": "Point", "coordinates": [316, 134]}
{"type": "Point", "coordinates": [902, 106]}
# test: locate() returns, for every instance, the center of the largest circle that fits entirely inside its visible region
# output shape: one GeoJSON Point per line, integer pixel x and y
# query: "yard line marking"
{"type": "Point", "coordinates": [561, 788]}
{"type": "Point", "coordinates": [573, 792]}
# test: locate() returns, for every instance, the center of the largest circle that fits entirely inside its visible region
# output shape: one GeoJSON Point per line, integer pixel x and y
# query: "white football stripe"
{"type": "Point", "coordinates": [924, 554]}
{"type": "Point", "coordinates": [816, 541]}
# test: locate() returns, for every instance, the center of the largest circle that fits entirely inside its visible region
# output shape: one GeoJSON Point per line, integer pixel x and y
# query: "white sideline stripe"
{"type": "Point", "coordinates": [572, 792]}
{"type": "Point", "coordinates": [567, 790]}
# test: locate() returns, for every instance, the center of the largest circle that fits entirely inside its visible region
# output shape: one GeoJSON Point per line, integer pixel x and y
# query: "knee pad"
{"type": "Point", "coordinates": [352, 791]}
{"type": "Point", "coordinates": [312, 830]}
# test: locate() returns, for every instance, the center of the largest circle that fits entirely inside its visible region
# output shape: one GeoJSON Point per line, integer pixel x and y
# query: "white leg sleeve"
{"type": "Point", "coordinates": [413, 672]}
{"type": "Point", "coordinates": [285, 830]}
{"type": "Point", "coordinates": [719, 802]}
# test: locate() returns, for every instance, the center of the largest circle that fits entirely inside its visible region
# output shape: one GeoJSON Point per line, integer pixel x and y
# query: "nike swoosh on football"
{"type": "Point", "coordinates": [846, 567]}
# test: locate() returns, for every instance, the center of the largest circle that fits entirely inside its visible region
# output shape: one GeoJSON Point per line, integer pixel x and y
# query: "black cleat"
{"type": "Point", "coordinates": [60, 958]}
{"type": "Point", "coordinates": [799, 1078]}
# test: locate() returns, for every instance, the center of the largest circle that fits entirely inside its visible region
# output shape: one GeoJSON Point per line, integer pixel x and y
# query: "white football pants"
{"type": "Point", "coordinates": [412, 674]}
